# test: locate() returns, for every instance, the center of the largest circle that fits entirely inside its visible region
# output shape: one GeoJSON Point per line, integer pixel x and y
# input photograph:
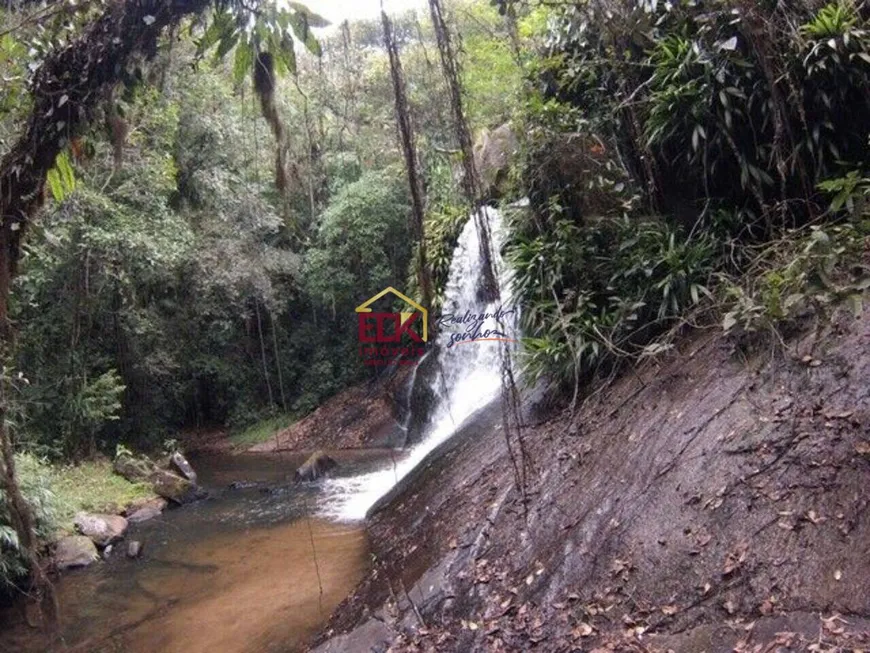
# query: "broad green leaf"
{"type": "Point", "coordinates": [55, 185]}
{"type": "Point", "coordinates": [242, 62]}
{"type": "Point", "coordinates": [314, 20]}
{"type": "Point", "coordinates": [302, 30]}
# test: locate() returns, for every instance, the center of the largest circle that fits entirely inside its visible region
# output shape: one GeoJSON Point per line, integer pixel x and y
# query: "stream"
{"type": "Point", "coordinates": [235, 572]}
{"type": "Point", "coordinates": [261, 568]}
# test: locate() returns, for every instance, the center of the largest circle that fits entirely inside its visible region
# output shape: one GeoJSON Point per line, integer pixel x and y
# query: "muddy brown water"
{"type": "Point", "coordinates": [245, 570]}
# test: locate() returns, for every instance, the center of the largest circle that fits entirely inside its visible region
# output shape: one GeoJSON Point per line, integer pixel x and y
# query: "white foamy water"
{"type": "Point", "coordinates": [469, 379]}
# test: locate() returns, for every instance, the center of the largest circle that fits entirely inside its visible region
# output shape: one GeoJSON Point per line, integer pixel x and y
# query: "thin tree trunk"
{"type": "Point", "coordinates": [263, 352]}
{"type": "Point", "coordinates": [406, 133]}
{"type": "Point", "coordinates": [278, 361]}
{"type": "Point", "coordinates": [471, 183]}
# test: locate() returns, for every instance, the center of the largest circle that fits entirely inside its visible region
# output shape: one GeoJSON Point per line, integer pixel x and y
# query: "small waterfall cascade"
{"type": "Point", "coordinates": [468, 372]}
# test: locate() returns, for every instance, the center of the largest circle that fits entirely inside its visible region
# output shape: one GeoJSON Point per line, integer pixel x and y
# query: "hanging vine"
{"type": "Point", "coordinates": [409, 149]}
{"type": "Point", "coordinates": [512, 423]}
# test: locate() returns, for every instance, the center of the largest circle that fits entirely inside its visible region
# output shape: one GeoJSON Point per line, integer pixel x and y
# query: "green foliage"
{"type": "Point", "coordinates": [272, 30]}
{"type": "Point", "coordinates": [731, 124]}
{"type": "Point", "coordinates": [61, 178]}
{"type": "Point", "coordinates": [362, 242]}
{"type": "Point", "coordinates": [772, 100]}
{"type": "Point", "coordinates": [804, 273]}
{"type": "Point", "coordinates": [168, 292]}
{"type": "Point", "coordinates": [850, 192]}
{"type": "Point", "coordinates": [262, 430]}
{"type": "Point", "coordinates": [600, 293]}
{"type": "Point", "coordinates": [91, 487]}
{"type": "Point", "coordinates": [34, 481]}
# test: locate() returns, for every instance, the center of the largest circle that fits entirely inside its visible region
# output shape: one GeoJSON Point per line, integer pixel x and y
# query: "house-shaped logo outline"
{"type": "Point", "coordinates": [364, 307]}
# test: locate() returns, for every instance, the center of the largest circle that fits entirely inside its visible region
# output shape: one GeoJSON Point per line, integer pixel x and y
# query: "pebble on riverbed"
{"type": "Point", "coordinates": [134, 549]}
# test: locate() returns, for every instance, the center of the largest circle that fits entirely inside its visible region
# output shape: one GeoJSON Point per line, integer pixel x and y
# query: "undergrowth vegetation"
{"type": "Point", "coordinates": [688, 159]}
{"type": "Point", "coordinates": [35, 484]}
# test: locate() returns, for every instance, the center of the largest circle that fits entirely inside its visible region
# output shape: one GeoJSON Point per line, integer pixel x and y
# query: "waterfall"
{"type": "Point", "coordinates": [468, 374]}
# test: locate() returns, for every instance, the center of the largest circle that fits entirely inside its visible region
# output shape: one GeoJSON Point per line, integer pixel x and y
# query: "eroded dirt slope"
{"type": "Point", "coordinates": [365, 415]}
{"type": "Point", "coordinates": [706, 503]}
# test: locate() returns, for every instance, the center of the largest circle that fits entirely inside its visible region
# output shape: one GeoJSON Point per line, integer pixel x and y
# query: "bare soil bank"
{"type": "Point", "coordinates": [706, 503]}
{"type": "Point", "coordinates": [366, 415]}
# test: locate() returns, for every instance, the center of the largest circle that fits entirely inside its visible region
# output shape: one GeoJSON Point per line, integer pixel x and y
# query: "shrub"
{"type": "Point", "coordinates": [34, 483]}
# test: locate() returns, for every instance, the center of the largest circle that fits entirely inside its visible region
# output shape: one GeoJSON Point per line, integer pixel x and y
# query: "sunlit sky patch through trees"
{"type": "Point", "coordinates": [338, 10]}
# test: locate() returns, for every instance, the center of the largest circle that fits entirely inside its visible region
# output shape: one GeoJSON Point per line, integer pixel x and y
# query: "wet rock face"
{"type": "Point", "coordinates": [101, 529]}
{"type": "Point", "coordinates": [317, 466]}
{"type": "Point", "coordinates": [75, 551]}
{"type": "Point", "coordinates": [422, 398]}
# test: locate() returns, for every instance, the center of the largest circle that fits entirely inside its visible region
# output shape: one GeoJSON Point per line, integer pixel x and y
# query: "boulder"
{"type": "Point", "coordinates": [134, 549]}
{"type": "Point", "coordinates": [101, 529]}
{"type": "Point", "coordinates": [75, 551]}
{"type": "Point", "coordinates": [173, 487]}
{"type": "Point", "coordinates": [317, 466]}
{"type": "Point", "coordinates": [134, 469]}
{"type": "Point", "coordinates": [165, 483]}
{"type": "Point", "coordinates": [493, 153]}
{"type": "Point", "coordinates": [148, 509]}
{"type": "Point", "coordinates": [179, 464]}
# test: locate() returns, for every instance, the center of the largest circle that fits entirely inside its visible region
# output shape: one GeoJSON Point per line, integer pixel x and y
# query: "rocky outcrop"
{"type": "Point", "coordinates": [75, 551]}
{"type": "Point", "coordinates": [135, 469]}
{"type": "Point", "coordinates": [167, 484]}
{"type": "Point", "coordinates": [703, 491]}
{"type": "Point", "coordinates": [144, 510]}
{"type": "Point", "coordinates": [101, 529]}
{"type": "Point", "coordinates": [173, 487]}
{"type": "Point", "coordinates": [183, 468]}
{"type": "Point", "coordinates": [317, 466]}
{"type": "Point", "coordinates": [493, 153]}
{"type": "Point", "coordinates": [365, 415]}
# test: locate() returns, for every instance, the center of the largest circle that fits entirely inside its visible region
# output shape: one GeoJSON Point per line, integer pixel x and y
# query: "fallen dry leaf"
{"type": "Point", "coordinates": [618, 566]}
{"type": "Point", "coordinates": [735, 559]}
{"type": "Point", "coordinates": [582, 630]}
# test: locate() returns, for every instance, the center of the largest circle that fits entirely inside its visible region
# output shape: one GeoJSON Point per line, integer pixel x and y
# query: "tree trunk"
{"type": "Point", "coordinates": [263, 353]}
{"type": "Point", "coordinates": [406, 133]}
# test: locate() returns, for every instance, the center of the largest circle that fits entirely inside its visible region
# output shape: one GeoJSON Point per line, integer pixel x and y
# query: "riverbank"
{"type": "Point", "coordinates": [714, 500]}
{"type": "Point", "coordinates": [250, 567]}
{"type": "Point", "coordinates": [92, 487]}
